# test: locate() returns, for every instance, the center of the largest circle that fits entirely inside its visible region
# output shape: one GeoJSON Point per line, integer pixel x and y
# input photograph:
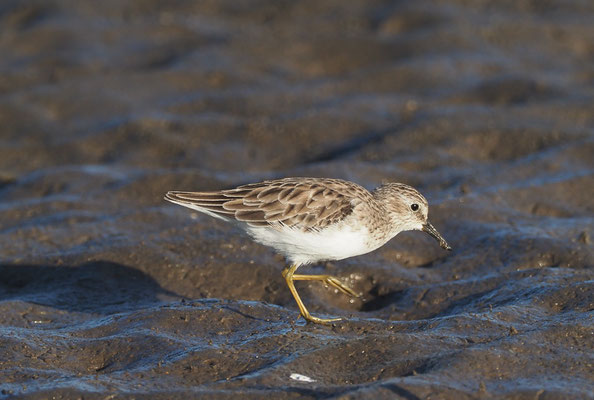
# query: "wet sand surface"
{"type": "Point", "coordinates": [107, 291]}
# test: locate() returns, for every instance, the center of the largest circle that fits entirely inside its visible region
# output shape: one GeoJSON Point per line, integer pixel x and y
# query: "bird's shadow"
{"type": "Point", "coordinates": [98, 286]}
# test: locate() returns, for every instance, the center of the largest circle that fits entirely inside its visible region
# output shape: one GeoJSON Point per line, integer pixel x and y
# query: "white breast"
{"type": "Point", "coordinates": [332, 243]}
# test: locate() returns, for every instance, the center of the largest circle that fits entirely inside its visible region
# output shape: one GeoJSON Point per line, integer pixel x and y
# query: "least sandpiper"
{"type": "Point", "coordinates": [316, 219]}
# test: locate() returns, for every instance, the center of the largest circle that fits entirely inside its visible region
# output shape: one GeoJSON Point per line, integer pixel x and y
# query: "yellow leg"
{"type": "Point", "coordinates": [289, 275]}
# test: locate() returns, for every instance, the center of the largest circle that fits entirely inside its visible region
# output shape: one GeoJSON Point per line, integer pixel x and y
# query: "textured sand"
{"type": "Point", "coordinates": [105, 289]}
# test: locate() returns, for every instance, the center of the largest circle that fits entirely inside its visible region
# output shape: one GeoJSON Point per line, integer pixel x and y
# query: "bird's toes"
{"type": "Point", "coordinates": [333, 281]}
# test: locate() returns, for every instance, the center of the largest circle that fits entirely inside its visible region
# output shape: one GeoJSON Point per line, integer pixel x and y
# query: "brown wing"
{"type": "Point", "coordinates": [302, 203]}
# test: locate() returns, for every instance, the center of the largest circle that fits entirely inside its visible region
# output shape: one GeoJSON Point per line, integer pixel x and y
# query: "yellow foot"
{"type": "Point", "coordinates": [289, 275]}
{"type": "Point", "coordinates": [316, 320]}
{"type": "Point", "coordinates": [328, 280]}
{"type": "Point", "coordinates": [333, 281]}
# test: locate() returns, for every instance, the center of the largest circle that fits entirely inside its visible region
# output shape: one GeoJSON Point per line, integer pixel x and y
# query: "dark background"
{"type": "Point", "coordinates": [485, 106]}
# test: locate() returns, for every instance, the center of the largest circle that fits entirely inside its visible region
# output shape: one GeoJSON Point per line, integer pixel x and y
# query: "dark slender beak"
{"type": "Point", "coordinates": [433, 232]}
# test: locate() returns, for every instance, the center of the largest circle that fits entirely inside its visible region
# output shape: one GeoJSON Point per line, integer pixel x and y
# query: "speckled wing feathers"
{"type": "Point", "coordinates": [301, 203]}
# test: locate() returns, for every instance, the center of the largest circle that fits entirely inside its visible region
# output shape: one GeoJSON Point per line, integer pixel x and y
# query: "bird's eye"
{"type": "Point", "coordinates": [414, 206]}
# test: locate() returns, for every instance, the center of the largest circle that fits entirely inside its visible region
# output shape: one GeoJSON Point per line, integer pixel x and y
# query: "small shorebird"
{"type": "Point", "coordinates": [316, 219]}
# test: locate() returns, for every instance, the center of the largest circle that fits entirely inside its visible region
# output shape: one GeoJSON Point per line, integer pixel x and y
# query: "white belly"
{"type": "Point", "coordinates": [333, 243]}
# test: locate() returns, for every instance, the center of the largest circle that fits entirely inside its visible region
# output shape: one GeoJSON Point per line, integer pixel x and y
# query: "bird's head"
{"type": "Point", "coordinates": [408, 209]}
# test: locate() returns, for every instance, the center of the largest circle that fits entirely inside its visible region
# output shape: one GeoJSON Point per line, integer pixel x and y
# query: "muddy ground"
{"type": "Point", "coordinates": [107, 291]}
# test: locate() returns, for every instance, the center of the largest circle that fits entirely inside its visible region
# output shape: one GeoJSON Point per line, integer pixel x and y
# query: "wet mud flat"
{"type": "Point", "coordinates": [107, 291]}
